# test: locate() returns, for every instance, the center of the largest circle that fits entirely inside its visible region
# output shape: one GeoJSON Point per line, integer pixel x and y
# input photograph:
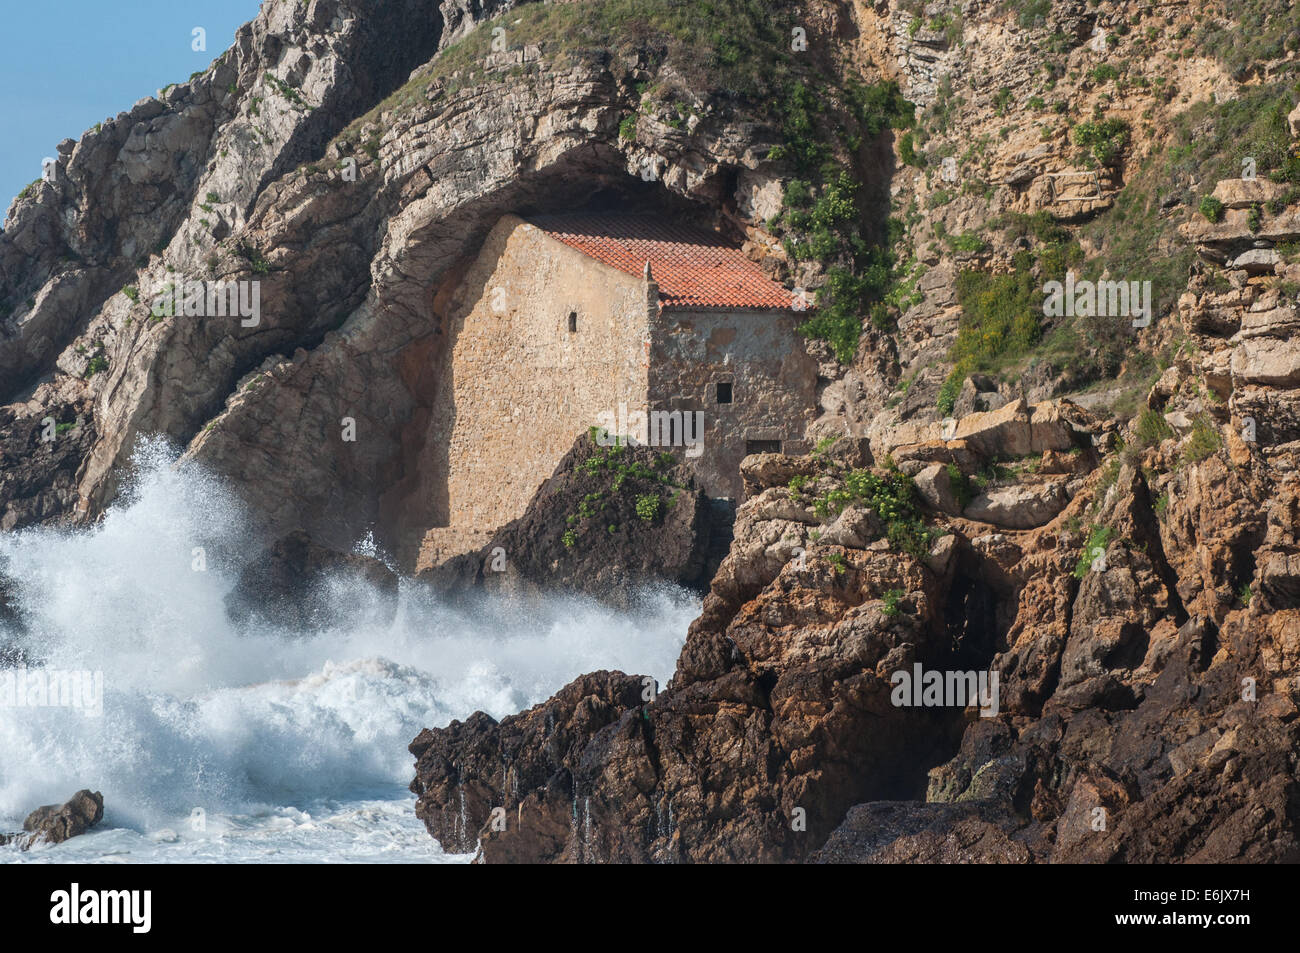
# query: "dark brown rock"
{"type": "Point", "coordinates": [40, 453]}
{"type": "Point", "coordinates": [1129, 730]}
{"type": "Point", "coordinates": [55, 823]}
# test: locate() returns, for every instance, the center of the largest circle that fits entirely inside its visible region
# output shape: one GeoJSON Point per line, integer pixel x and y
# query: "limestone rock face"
{"type": "Point", "coordinates": [331, 156]}
{"type": "Point", "coordinates": [1021, 506]}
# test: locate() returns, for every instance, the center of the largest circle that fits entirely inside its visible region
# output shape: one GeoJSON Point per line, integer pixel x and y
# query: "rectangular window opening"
{"type": "Point", "coordinates": [724, 392]}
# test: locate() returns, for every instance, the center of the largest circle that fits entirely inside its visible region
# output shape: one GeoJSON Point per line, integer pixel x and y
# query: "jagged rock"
{"type": "Point", "coordinates": [55, 823]}
{"type": "Point", "coordinates": [636, 782]}
{"type": "Point", "coordinates": [978, 394]}
{"type": "Point", "coordinates": [760, 470]}
{"type": "Point", "coordinates": [1013, 430]}
{"type": "Point", "coordinates": [1104, 678]}
{"type": "Point", "coordinates": [908, 832]}
{"type": "Point", "coordinates": [1273, 322]}
{"type": "Point", "coordinates": [914, 458]}
{"type": "Point", "coordinates": [1017, 430]}
{"type": "Point", "coordinates": [855, 527]}
{"type": "Point", "coordinates": [293, 583]}
{"type": "Point", "coordinates": [40, 452]}
{"type": "Point", "coordinates": [458, 768]}
{"type": "Point", "coordinates": [1233, 230]}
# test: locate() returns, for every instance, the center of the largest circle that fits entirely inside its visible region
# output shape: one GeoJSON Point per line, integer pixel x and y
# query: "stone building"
{"type": "Point", "coordinates": [659, 331]}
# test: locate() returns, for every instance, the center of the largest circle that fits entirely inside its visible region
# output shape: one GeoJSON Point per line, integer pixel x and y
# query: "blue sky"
{"type": "Point", "coordinates": [68, 64]}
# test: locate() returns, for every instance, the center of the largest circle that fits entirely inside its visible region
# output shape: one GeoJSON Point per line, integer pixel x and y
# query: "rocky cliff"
{"type": "Point", "coordinates": [1095, 501]}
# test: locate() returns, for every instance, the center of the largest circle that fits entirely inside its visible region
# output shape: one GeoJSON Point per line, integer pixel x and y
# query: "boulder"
{"type": "Point", "coordinates": [935, 486]}
{"type": "Point", "coordinates": [913, 458]}
{"type": "Point", "coordinates": [1267, 361]}
{"type": "Point", "coordinates": [1256, 261]}
{"type": "Point", "coordinates": [55, 823]}
{"type": "Point", "coordinates": [1020, 506]}
{"type": "Point", "coordinates": [1243, 193]}
{"type": "Point", "coordinates": [760, 470]}
{"type": "Point", "coordinates": [1017, 429]}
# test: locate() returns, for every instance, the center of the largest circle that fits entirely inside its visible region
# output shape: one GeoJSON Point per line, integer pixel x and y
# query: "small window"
{"type": "Point", "coordinates": [724, 392]}
{"type": "Point", "coordinates": [573, 322]}
{"type": "Point", "coordinates": [762, 446]}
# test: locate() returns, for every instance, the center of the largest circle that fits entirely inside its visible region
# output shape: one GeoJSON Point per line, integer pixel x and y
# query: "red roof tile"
{"type": "Point", "coordinates": [693, 268]}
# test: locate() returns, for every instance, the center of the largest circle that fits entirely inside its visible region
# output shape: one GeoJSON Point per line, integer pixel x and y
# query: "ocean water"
{"type": "Point", "coordinates": [216, 744]}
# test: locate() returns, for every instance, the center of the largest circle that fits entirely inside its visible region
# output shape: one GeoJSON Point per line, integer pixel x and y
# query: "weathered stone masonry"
{"type": "Point", "coordinates": [554, 328]}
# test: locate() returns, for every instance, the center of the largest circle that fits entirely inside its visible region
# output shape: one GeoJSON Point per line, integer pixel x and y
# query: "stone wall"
{"type": "Point", "coordinates": [516, 385]}
{"type": "Point", "coordinates": [773, 384]}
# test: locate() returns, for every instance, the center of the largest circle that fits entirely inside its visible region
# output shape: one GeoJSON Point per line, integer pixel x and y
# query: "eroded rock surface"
{"type": "Point", "coordinates": [55, 823]}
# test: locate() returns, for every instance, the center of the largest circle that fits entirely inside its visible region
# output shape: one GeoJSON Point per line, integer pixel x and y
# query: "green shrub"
{"type": "Point", "coordinates": [1103, 140]}
{"type": "Point", "coordinates": [1211, 208]}
{"type": "Point", "coordinates": [648, 507]}
{"type": "Point", "coordinates": [1204, 441]}
{"type": "Point", "coordinates": [1099, 537]}
{"type": "Point", "coordinates": [1033, 13]}
{"type": "Point", "coordinates": [999, 320]}
{"type": "Point", "coordinates": [1104, 73]}
{"type": "Point", "coordinates": [949, 391]}
{"type": "Point", "coordinates": [966, 242]}
{"type": "Point", "coordinates": [961, 488]}
{"type": "Point", "coordinates": [907, 150]}
{"type": "Point", "coordinates": [1152, 428]}
{"type": "Point", "coordinates": [891, 598]}
{"type": "Point", "coordinates": [892, 498]}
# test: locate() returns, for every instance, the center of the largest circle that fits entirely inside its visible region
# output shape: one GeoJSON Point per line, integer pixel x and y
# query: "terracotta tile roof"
{"type": "Point", "coordinates": [694, 268]}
